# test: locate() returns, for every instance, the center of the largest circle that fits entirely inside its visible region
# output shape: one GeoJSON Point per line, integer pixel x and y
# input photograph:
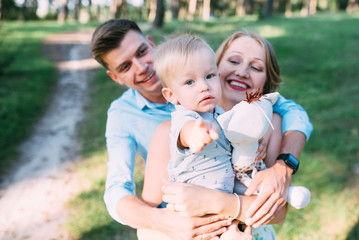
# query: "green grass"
{"type": "Point", "coordinates": [318, 59]}
{"type": "Point", "coordinates": [26, 80]}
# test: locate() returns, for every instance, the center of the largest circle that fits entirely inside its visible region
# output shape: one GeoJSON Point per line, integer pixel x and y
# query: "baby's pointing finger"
{"type": "Point", "coordinates": [213, 134]}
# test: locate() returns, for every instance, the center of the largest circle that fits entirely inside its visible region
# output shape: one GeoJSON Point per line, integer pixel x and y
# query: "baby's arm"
{"type": "Point", "coordinates": [196, 134]}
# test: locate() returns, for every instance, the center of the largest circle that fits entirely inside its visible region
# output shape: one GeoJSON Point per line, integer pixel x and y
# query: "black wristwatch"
{"type": "Point", "coordinates": [290, 160]}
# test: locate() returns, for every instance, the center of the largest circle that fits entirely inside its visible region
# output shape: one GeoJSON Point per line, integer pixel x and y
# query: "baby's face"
{"type": "Point", "coordinates": [196, 86]}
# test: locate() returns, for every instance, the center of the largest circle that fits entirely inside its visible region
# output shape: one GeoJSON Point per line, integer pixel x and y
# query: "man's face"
{"type": "Point", "coordinates": [131, 64]}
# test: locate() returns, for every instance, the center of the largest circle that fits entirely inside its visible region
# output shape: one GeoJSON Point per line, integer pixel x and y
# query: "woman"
{"type": "Point", "coordinates": [246, 62]}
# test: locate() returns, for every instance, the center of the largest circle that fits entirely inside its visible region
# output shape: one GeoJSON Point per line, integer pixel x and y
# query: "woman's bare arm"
{"type": "Point", "coordinates": [156, 166]}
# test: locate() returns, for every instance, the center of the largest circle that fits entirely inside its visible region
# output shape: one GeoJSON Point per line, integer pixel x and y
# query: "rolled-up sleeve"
{"type": "Point", "coordinates": [121, 148]}
{"type": "Point", "coordinates": [294, 117]}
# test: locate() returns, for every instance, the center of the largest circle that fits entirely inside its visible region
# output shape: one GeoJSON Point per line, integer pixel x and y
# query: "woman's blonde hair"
{"type": "Point", "coordinates": [272, 68]}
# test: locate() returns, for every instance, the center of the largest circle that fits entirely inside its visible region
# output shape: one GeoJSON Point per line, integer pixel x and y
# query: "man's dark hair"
{"type": "Point", "coordinates": [109, 35]}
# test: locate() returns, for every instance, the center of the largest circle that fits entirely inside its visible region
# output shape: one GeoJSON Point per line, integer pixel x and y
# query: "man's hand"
{"type": "Point", "coordinates": [195, 228]}
{"type": "Point", "coordinates": [197, 134]}
{"type": "Point", "coordinates": [273, 196]}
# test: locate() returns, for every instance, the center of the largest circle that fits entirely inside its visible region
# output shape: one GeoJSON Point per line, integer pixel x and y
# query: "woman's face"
{"type": "Point", "coordinates": [242, 68]}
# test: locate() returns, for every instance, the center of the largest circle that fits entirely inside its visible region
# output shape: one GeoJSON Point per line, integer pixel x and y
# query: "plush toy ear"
{"type": "Point", "coordinates": [225, 118]}
{"type": "Point", "coordinates": [272, 97]}
{"type": "Point", "coordinates": [169, 95]}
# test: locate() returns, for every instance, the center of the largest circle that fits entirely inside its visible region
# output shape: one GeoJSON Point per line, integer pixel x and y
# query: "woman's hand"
{"type": "Point", "coordinates": [273, 196]}
{"type": "Point", "coordinates": [196, 228]}
{"type": "Point", "coordinates": [177, 227]}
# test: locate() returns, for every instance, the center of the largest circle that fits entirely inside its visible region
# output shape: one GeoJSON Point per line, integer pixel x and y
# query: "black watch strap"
{"type": "Point", "coordinates": [290, 160]}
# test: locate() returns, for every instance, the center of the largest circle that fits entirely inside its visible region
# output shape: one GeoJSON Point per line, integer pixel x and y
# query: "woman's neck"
{"type": "Point", "coordinates": [226, 104]}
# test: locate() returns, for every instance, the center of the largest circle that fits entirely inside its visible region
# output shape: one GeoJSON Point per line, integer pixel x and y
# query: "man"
{"type": "Point", "coordinates": [127, 54]}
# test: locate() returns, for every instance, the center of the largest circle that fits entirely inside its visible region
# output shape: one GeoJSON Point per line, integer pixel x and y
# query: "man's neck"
{"type": "Point", "coordinates": [155, 98]}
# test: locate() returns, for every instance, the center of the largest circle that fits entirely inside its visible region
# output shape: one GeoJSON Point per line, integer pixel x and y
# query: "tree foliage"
{"type": "Point", "coordinates": [9, 10]}
{"type": "Point", "coordinates": [155, 11]}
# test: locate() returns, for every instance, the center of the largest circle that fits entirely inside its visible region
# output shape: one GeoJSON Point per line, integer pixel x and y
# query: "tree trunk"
{"type": "Point", "coordinates": [123, 9]}
{"type": "Point", "coordinates": [240, 11]}
{"type": "Point", "coordinates": [248, 6]}
{"type": "Point", "coordinates": [118, 9]}
{"type": "Point", "coordinates": [305, 8]}
{"type": "Point", "coordinates": [153, 9]}
{"type": "Point", "coordinates": [353, 5]}
{"type": "Point", "coordinates": [288, 8]}
{"type": "Point", "coordinates": [206, 9]}
{"type": "Point", "coordinates": [276, 5]}
{"type": "Point", "coordinates": [191, 9]}
{"type": "Point", "coordinates": [77, 9]}
{"type": "Point", "coordinates": [174, 8]}
{"type": "Point", "coordinates": [140, 15]}
{"type": "Point", "coordinates": [114, 8]}
{"type": "Point", "coordinates": [160, 14]}
{"type": "Point", "coordinates": [22, 11]}
{"type": "Point", "coordinates": [62, 13]}
{"type": "Point", "coordinates": [89, 10]}
{"type": "Point", "coordinates": [267, 9]}
{"type": "Point", "coordinates": [312, 6]}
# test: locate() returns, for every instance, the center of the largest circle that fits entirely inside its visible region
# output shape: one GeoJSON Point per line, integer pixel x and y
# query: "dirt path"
{"type": "Point", "coordinates": [33, 197]}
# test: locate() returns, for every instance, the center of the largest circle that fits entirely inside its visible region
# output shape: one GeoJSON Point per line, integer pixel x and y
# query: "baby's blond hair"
{"type": "Point", "coordinates": [172, 55]}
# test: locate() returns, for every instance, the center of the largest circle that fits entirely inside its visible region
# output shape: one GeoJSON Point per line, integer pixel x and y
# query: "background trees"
{"type": "Point", "coordinates": [160, 11]}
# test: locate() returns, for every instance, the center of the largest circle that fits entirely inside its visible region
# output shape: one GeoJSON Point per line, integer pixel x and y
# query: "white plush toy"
{"type": "Point", "coordinates": [244, 125]}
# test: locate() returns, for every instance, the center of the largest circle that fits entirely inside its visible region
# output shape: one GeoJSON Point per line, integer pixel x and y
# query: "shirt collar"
{"type": "Point", "coordinates": [216, 111]}
{"type": "Point", "coordinates": [143, 102]}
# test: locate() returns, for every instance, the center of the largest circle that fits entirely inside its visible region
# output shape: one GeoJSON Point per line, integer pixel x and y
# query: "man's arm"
{"type": "Point", "coordinates": [121, 150]}
{"type": "Point", "coordinates": [137, 214]}
{"type": "Point", "coordinates": [294, 117]}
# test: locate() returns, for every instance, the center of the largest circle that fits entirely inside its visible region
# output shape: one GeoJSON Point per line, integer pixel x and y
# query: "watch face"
{"type": "Point", "coordinates": [290, 160]}
{"type": "Point", "coordinates": [293, 161]}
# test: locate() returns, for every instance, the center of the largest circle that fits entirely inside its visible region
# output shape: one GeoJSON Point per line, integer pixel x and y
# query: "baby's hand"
{"type": "Point", "coordinates": [202, 133]}
{"type": "Point", "coordinates": [262, 149]}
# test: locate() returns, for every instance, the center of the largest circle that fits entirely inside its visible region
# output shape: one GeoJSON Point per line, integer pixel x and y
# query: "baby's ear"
{"type": "Point", "coordinates": [169, 95]}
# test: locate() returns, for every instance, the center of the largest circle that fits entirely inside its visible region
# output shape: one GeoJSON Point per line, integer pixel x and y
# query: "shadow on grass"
{"type": "Point", "coordinates": [111, 231]}
{"type": "Point", "coordinates": [354, 233]}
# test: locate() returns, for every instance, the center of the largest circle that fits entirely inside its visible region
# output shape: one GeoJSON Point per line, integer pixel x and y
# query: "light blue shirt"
{"type": "Point", "coordinates": [294, 117]}
{"type": "Point", "coordinates": [131, 123]}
